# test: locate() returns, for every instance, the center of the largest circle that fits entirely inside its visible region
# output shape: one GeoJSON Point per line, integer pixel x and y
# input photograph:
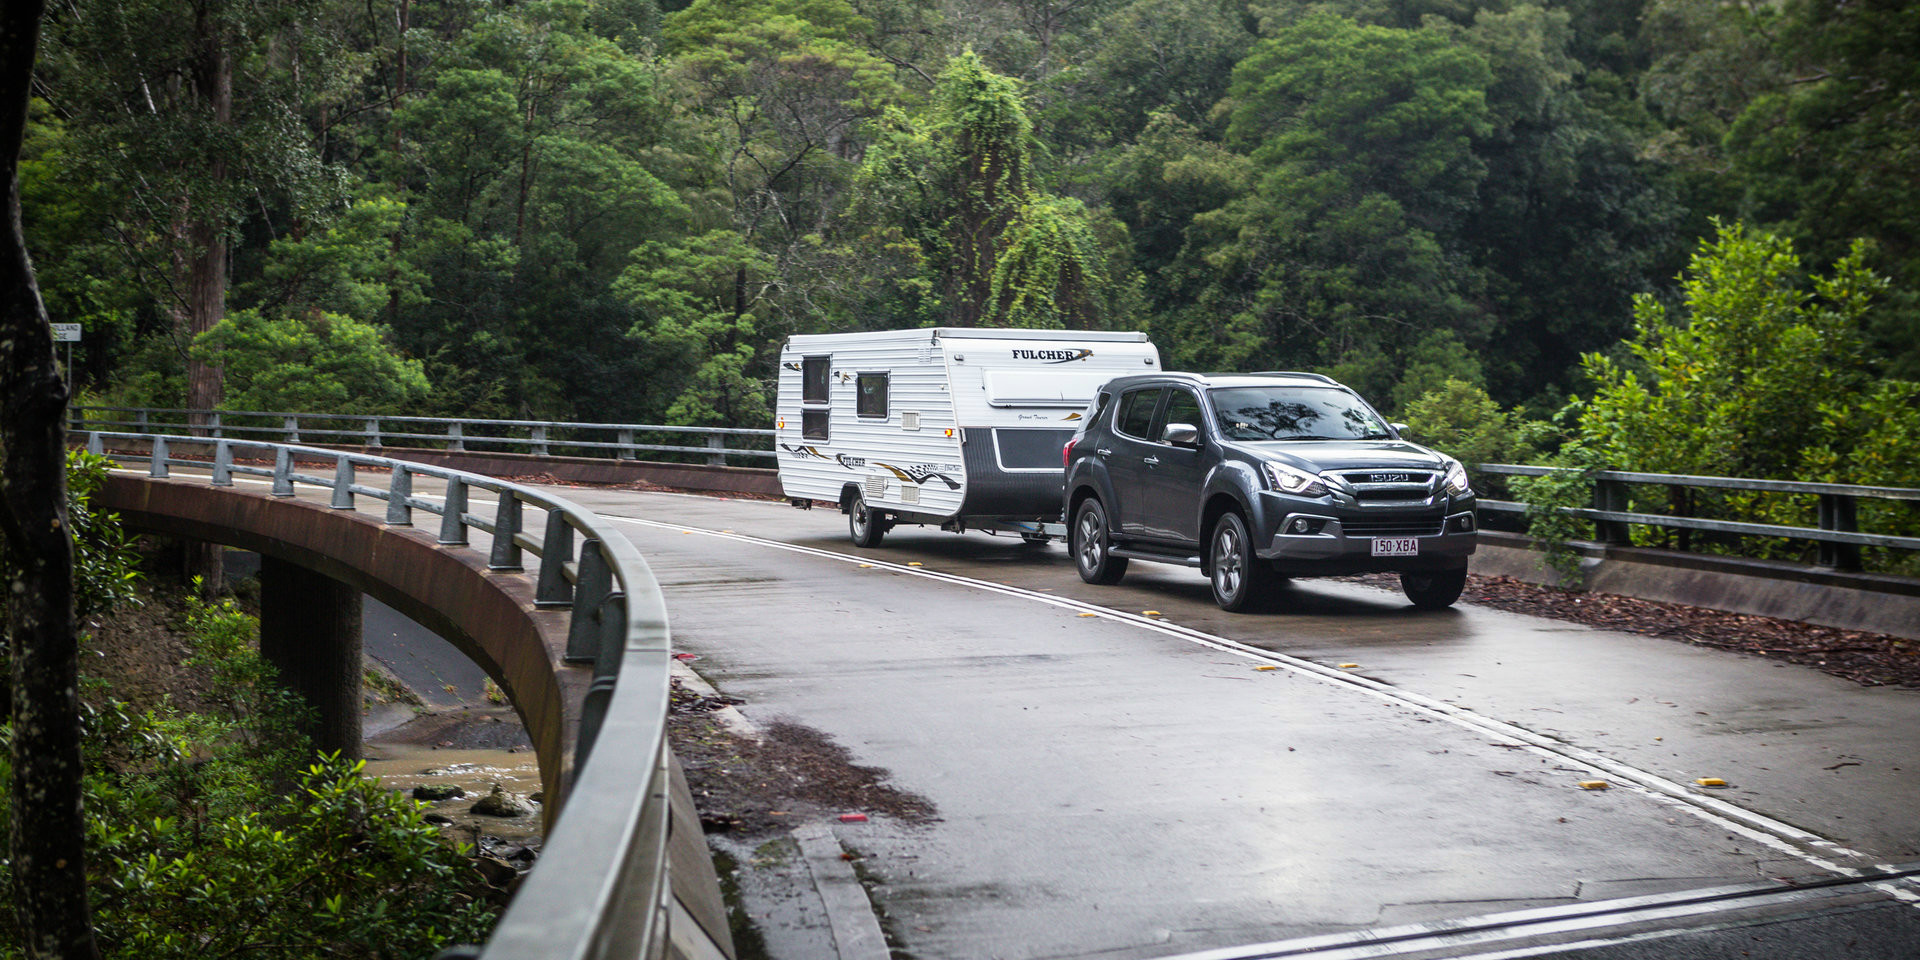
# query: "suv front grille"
{"type": "Point", "coordinates": [1389, 486]}
{"type": "Point", "coordinates": [1397, 527]}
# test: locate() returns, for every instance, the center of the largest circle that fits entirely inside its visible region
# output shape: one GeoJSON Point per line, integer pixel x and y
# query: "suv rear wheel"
{"type": "Point", "coordinates": [1092, 551]}
{"type": "Point", "coordinates": [1434, 590]}
{"type": "Point", "coordinates": [1240, 579]}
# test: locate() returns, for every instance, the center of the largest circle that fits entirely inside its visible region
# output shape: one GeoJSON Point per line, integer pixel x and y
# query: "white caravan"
{"type": "Point", "coordinates": [959, 427]}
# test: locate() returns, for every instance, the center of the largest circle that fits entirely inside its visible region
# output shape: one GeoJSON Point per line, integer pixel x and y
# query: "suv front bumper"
{"type": "Point", "coordinates": [1328, 547]}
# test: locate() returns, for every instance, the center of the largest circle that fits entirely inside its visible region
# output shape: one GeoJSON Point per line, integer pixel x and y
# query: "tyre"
{"type": "Point", "coordinates": [1432, 590]}
{"type": "Point", "coordinates": [866, 526]}
{"type": "Point", "coordinates": [1092, 550]}
{"type": "Point", "coordinates": [1241, 581]}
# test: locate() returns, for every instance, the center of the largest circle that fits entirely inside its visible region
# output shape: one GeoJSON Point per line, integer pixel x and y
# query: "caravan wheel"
{"type": "Point", "coordinates": [866, 526]}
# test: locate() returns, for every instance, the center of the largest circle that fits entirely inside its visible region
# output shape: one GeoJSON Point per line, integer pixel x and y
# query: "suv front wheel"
{"type": "Point", "coordinates": [1092, 550]}
{"type": "Point", "coordinates": [1240, 579]}
{"type": "Point", "coordinates": [1431, 591]}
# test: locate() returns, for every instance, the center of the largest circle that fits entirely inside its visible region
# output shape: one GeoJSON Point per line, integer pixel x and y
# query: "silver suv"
{"type": "Point", "coordinates": [1257, 477]}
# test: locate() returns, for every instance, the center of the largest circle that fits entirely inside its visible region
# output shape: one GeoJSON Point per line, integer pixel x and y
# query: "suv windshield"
{"type": "Point", "coordinates": [1294, 413]}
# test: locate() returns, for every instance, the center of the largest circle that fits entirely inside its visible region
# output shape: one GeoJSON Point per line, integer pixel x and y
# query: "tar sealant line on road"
{"type": "Point", "coordinates": [1590, 919]}
{"type": "Point", "coordinates": [1803, 845]}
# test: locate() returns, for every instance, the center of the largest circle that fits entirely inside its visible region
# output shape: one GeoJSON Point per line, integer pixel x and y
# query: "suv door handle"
{"type": "Point", "coordinates": [1150, 461]}
{"type": "Point", "coordinates": [1103, 451]}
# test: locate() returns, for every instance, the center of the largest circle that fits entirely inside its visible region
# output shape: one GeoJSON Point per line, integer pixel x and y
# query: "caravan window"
{"type": "Point", "coordinates": [813, 424]}
{"type": "Point", "coordinates": [872, 400]}
{"type": "Point", "coordinates": [814, 378]}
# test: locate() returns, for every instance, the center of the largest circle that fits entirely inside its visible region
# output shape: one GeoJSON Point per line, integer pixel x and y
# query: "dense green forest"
{"type": "Point", "coordinates": [613, 210]}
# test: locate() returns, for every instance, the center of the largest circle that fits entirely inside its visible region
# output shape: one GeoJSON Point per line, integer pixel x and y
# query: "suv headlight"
{"type": "Point", "coordinates": [1456, 481]}
{"type": "Point", "coordinates": [1291, 479]}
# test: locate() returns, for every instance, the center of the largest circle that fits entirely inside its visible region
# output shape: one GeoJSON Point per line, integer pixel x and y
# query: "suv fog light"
{"type": "Point", "coordinates": [1299, 525]}
{"type": "Point", "coordinates": [1464, 524]}
{"type": "Point", "coordinates": [1305, 525]}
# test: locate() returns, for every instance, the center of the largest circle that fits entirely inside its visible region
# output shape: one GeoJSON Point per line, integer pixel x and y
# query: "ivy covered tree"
{"type": "Point", "coordinates": [958, 186]}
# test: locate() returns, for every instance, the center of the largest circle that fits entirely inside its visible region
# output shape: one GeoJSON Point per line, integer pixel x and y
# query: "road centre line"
{"type": "Point", "coordinates": [1803, 845]}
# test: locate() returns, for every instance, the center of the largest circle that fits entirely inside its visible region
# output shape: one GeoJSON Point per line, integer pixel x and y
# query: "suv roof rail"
{"type": "Point", "coordinates": [1323, 378]}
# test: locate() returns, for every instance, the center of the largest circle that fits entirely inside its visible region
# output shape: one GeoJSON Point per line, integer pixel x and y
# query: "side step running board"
{"type": "Point", "coordinates": [1134, 553]}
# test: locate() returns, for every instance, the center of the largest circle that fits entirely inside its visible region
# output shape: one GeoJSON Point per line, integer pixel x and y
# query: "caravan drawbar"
{"type": "Point", "coordinates": [960, 428]}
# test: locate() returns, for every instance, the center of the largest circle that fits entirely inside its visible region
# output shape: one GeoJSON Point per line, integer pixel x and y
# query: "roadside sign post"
{"type": "Point", "coordinates": [69, 334]}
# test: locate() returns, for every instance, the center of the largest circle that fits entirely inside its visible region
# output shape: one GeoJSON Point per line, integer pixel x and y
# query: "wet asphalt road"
{"type": "Point", "coordinates": [1126, 786]}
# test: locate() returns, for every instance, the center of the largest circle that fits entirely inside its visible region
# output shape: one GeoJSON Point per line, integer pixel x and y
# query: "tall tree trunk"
{"type": "Point", "coordinates": [48, 834]}
{"type": "Point", "coordinates": [206, 228]}
{"type": "Point", "coordinates": [205, 233]}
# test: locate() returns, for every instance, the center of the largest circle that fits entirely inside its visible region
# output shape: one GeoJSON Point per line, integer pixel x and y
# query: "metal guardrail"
{"type": "Point", "coordinates": [1839, 536]}
{"type": "Point", "coordinates": [539, 437]}
{"type": "Point", "coordinates": [600, 889]}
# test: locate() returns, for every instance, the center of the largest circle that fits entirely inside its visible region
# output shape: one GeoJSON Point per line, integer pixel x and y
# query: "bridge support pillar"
{"type": "Point", "coordinates": [310, 632]}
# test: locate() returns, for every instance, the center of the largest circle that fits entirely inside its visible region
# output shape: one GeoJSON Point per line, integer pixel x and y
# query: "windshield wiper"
{"type": "Point", "coordinates": [1308, 436]}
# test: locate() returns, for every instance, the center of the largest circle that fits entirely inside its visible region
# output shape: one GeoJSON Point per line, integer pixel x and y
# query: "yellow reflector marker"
{"type": "Point", "coordinates": [1348, 666]}
{"type": "Point", "coordinates": [1711, 782]}
{"type": "Point", "coordinates": [915, 563]}
{"type": "Point", "coordinates": [1087, 614]}
{"type": "Point", "coordinates": [1265, 668]}
{"type": "Point", "coordinates": [1149, 613]}
{"type": "Point", "coordinates": [866, 566]}
{"type": "Point", "coordinates": [1593, 785]}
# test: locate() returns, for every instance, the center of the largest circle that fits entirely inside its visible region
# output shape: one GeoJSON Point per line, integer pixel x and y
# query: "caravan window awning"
{"type": "Point", "coordinates": [1044, 388]}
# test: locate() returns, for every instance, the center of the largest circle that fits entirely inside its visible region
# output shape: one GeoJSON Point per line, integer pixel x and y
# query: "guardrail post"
{"type": "Point", "coordinates": [1611, 495]}
{"type": "Point", "coordinates": [140, 421]}
{"type": "Point", "coordinates": [291, 427]}
{"type": "Point", "coordinates": [592, 583]}
{"type": "Point", "coordinates": [1839, 512]}
{"type": "Point", "coordinates": [157, 459]}
{"type": "Point", "coordinates": [556, 551]}
{"type": "Point", "coordinates": [626, 451]}
{"type": "Point", "coordinates": [454, 435]}
{"type": "Point", "coordinates": [373, 433]}
{"type": "Point", "coordinates": [506, 528]}
{"type": "Point", "coordinates": [96, 444]}
{"type": "Point", "coordinates": [716, 442]}
{"type": "Point", "coordinates": [282, 472]}
{"type": "Point", "coordinates": [222, 463]}
{"type": "Point", "coordinates": [453, 526]}
{"type": "Point", "coordinates": [213, 424]}
{"type": "Point", "coordinates": [342, 483]}
{"type": "Point", "coordinates": [539, 441]}
{"type": "Point", "coordinates": [610, 621]}
{"type": "Point", "coordinates": [399, 493]}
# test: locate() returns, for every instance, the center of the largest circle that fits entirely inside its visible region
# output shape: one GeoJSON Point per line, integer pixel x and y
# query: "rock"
{"type": "Point", "coordinates": [498, 872]}
{"type": "Point", "coordinates": [500, 803]}
{"type": "Point", "coordinates": [437, 793]}
{"type": "Point", "coordinates": [438, 818]}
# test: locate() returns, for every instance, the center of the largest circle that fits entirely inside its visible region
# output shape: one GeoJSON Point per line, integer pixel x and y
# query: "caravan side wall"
{"type": "Point", "coordinates": [905, 460]}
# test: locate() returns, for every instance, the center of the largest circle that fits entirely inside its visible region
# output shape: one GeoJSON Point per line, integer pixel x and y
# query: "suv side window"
{"type": "Point", "coordinates": [1135, 418]}
{"type": "Point", "coordinates": [1182, 407]}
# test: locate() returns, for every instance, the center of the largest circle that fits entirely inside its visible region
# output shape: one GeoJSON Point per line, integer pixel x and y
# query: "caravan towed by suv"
{"type": "Point", "coordinates": [960, 428]}
{"type": "Point", "coordinates": [1255, 478]}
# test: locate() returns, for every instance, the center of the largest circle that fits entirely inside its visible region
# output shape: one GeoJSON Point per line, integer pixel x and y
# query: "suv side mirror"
{"type": "Point", "coordinates": [1181, 435]}
{"type": "Point", "coordinates": [1399, 429]}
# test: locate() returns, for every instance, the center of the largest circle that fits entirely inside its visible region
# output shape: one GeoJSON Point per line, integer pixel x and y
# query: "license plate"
{"type": "Point", "coordinates": [1396, 546]}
